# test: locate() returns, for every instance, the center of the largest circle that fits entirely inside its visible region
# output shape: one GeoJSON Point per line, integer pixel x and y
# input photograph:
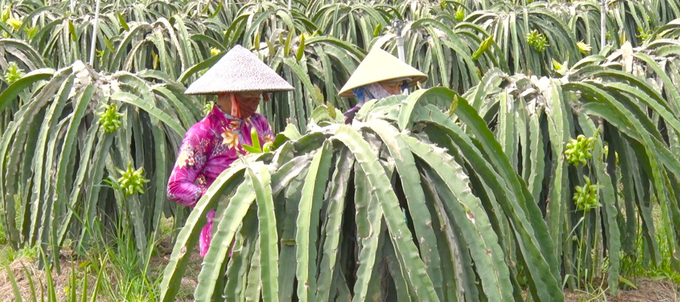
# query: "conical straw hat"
{"type": "Point", "coordinates": [379, 66]}
{"type": "Point", "coordinates": [238, 70]}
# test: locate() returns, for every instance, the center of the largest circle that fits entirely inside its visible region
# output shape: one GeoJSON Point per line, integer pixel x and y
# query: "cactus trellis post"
{"type": "Point", "coordinates": [603, 23]}
{"type": "Point", "coordinates": [94, 33]}
{"type": "Point", "coordinates": [398, 26]}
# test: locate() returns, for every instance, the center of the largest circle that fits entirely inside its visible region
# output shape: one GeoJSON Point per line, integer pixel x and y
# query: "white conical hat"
{"type": "Point", "coordinates": [238, 70]}
{"type": "Point", "coordinates": [379, 66]}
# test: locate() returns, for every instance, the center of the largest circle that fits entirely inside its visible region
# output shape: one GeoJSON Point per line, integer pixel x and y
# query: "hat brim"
{"type": "Point", "coordinates": [349, 93]}
{"type": "Point", "coordinates": [380, 66]}
{"type": "Point", "coordinates": [239, 70]}
{"type": "Point", "coordinates": [187, 92]}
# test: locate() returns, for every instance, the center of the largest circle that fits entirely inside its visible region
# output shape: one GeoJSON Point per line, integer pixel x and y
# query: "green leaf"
{"type": "Point", "coordinates": [609, 199]}
{"type": "Point", "coordinates": [268, 241]}
{"type": "Point", "coordinates": [40, 206]}
{"type": "Point", "coordinates": [422, 220]}
{"type": "Point", "coordinates": [240, 263]}
{"type": "Point", "coordinates": [533, 253]}
{"type": "Point", "coordinates": [13, 282]}
{"type": "Point", "coordinates": [254, 283]}
{"type": "Point", "coordinates": [189, 235]}
{"type": "Point", "coordinates": [31, 284]}
{"type": "Point", "coordinates": [469, 214]}
{"type": "Point", "coordinates": [290, 133]}
{"type": "Point", "coordinates": [559, 133]}
{"type": "Point", "coordinates": [368, 226]}
{"type": "Point", "coordinates": [483, 47]}
{"type": "Point", "coordinates": [377, 30]}
{"type": "Point", "coordinates": [83, 167]}
{"type": "Point", "coordinates": [149, 108]}
{"type": "Point", "coordinates": [72, 30]}
{"type": "Point", "coordinates": [122, 21]}
{"type": "Point", "coordinates": [439, 96]}
{"type": "Point", "coordinates": [301, 48]}
{"type": "Point", "coordinates": [255, 139]}
{"type": "Point", "coordinates": [535, 181]}
{"type": "Point", "coordinates": [306, 233]}
{"type": "Point", "coordinates": [336, 206]}
{"type": "Point", "coordinates": [51, 293]}
{"type": "Point", "coordinates": [326, 113]}
{"type": "Point", "coordinates": [10, 94]}
{"type": "Point", "coordinates": [229, 220]}
{"type": "Point", "coordinates": [303, 76]}
{"type": "Point", "coordinates": [406, 250]}
{"type": "Point", "coordinates": [251, 149]}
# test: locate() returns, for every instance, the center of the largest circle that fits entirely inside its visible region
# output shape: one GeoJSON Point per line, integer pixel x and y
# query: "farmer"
{"type": "Point", "coordinates": [378, 76]}
{"type": "Point", "coordinates": [209, 147]}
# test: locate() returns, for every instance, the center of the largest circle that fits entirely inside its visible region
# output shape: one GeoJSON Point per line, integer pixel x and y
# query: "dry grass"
{"type": "Point", "coordinates": [648, 290]}
{"type": "Point", "coordinates": [39, 280]}
{"type": "Point", "coordinates": [61, 281]}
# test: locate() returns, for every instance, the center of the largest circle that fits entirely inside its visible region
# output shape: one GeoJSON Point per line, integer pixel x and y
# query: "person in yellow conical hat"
{"type": "Point", "coordinates": [378, 76]}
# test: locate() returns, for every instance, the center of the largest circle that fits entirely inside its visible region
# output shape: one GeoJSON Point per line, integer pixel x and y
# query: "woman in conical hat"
{"type": "Point", "coordinates": [378, 76]}
{"type": "Point", "coordinates": [239, 79]}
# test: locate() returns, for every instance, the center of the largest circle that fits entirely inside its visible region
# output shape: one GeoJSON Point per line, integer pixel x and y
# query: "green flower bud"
{"type": "Point", "coordinates": [584, 48]}
{"type": "Point", "coordinates": [208, 107]}
{"type": "Point", "coordinates": [538, 40]}
{"type": "Point", "coordinates": [13, 73]}
{"type": "Point", "coordinates": [110, 118]}
{"type": "Point", "coordinates": [268, 147]}
{"type": "Point", "coordinates": [586, 197]}
{"type": "Point", "coordinates": [579, 150]}
{"type": "Point", "coordinates": [460, 13]}
{"type": "Point", "coordinates": [15, 23]}
{"type": "Point", "coordinates": [132, 181]}
{"type": "Point", "coordinates": [6, 13]}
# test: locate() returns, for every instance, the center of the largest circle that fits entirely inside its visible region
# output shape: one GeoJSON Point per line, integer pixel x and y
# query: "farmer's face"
{"type": "Point", "coordinates": [392, 88]}
{"type": "Point", "coordinates": [250, 96]}
{"type": "Point", "coordinates": [248, 102]}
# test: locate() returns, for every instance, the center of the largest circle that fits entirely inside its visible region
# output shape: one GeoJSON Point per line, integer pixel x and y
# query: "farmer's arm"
{"type": "Point", "coordinates": [190, 161]}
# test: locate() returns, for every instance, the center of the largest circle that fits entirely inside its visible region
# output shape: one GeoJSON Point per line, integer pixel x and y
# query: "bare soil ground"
{"type": "Point", "coordinates": [648, 290]}
{"type": "Point", "coordinates": [61, 281]}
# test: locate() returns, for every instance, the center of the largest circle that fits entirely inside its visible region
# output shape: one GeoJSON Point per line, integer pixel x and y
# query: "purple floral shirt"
{"type": "Point", "coordinates": [208, 148]}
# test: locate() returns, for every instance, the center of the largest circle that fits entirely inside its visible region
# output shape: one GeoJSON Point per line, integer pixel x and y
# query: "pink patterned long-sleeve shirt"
{"type": "Point", "coordinates": [208, 148]}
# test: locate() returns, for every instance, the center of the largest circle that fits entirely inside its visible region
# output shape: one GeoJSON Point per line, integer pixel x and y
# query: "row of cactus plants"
{"type": "Point", "coordinates": [551, 114]}
{"type": "Point", "coordinates": [87, 148]}
{"type": "Point", "coordinates": [533, 202]}
{"type": "Point", "coordinates": [316, 45]}
{"type": "Point", "coordinates": [386, 208]}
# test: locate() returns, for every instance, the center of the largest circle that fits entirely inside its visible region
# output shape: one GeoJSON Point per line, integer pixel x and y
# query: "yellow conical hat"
{"type": "Point", "coordinates": [379, 66]}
